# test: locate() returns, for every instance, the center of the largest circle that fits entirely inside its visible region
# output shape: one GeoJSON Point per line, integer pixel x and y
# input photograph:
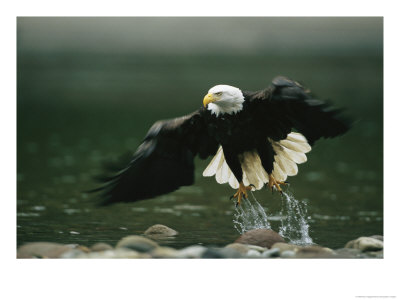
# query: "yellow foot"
{"type": "Point", "coordinates": [272, 182]}
{"type": "Point", "coordinates": [242, 192]}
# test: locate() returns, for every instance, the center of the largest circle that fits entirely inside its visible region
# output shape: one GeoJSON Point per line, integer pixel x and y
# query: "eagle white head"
{"type": "Point", "coordinates": [224, 99]}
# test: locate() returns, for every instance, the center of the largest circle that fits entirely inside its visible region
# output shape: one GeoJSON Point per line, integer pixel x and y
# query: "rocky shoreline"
{"type": "Point", "coordinates": [256, 243]}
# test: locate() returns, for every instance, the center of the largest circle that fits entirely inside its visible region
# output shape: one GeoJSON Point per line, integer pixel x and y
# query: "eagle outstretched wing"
{"type": "Point", "coordinates": [163, 162]}
{"type": "Point", "coordinates": [287, 105]}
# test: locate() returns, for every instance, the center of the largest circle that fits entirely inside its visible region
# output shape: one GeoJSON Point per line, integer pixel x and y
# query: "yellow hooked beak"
{"type": "Point", "coordinates": [209, 98]}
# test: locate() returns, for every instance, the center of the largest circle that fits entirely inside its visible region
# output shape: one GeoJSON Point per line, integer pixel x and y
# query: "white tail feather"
{"type": "Point", "coordinates": [289, 153]}
{"type": "Point", "coordinates": [223, 173]}
{"type": "Point", "coordinates": [298, 147]}
{"type": "Point", "coordinates": [278, 173]}
{"type": "Point", "coordinates": [297, 157]}
{"type": "Point", "coordinates": [233, 181]}
{"type": "Point", "coordinates": [296, 137]}
{"type": "Point", "coordinates": [218, 175]}
{"type": "Point", "coordinates": [251, 163]}
{"type": "Point", "coordinates": [213, 165]}
{"type": "Point", "coordinates": [287, 166]}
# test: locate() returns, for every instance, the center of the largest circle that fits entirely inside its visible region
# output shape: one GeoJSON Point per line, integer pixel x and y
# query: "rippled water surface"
{"type": "Point", "coordinates": [75, 112]}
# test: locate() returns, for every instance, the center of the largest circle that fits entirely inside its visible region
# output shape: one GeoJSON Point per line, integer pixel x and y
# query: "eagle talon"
{"type": "Point", "coordinates": [242, 193]}
{"type": "Point", "coordinates": [273, 183]}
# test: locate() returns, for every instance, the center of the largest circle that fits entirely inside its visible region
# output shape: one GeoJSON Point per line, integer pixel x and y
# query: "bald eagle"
{"type": "Point", "coordinates": [255, 138]}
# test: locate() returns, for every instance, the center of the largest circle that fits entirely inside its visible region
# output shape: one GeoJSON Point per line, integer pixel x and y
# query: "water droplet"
{"type": "Point", "coordinates": [250, 215]}
{"type": "Point", "coordinates": [295, 227]}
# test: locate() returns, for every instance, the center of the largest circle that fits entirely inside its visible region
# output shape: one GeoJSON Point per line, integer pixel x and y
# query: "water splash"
{"type": "Point", "coordinates": [293, 218]}
{"type": "Point", "coordinates": [250, 215]}
{"type": "Point", "coordinates": [294, 226]}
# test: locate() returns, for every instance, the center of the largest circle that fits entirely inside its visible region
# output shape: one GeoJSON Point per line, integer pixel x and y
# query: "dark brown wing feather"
{"type": "Point", "coordinates": [163, 162]}
{"type": "Point", "coordinates": [286, 105]}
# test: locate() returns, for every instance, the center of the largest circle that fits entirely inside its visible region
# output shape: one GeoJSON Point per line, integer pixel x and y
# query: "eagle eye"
{"type": "Point", "coordinates": [218, 94]}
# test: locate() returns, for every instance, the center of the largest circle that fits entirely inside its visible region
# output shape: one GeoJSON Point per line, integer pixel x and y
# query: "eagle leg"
{"type": "Point", "coordinates": [242, 192]}
{"type": "Point", "coordinates": [272, 182]}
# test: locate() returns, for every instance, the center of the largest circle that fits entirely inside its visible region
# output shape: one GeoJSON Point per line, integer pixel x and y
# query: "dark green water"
{"type": "Point", "coordinates": [76, 111]}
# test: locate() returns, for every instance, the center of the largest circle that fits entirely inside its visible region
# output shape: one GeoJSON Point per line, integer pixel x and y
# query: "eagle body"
{"type": "Point", "coordinates": [252, 137]}
{"type": "Point", "coordinates": [231, 132]}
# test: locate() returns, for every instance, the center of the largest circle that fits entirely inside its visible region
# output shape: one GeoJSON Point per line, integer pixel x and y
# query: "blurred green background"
{"type": "Point", "coordinates": [88, 89]}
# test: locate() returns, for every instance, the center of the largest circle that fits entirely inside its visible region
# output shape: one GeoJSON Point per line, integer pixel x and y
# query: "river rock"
{"type": "Point", "coordinates": [274, 252]}
{"type": "Point", "coordinates": [73, 253]}
{"type": "Point", "coordinates": [257, 248]}
{"type": "Point", "coordinates": [314, 252]}
{"type": "Point", "coordinates": [44, 250]}
{"type": "Point", "coordinates": [101, 247]}
{"type": "Point", "coordinates": [347, 253]}
{"type": "Point", "coordinates": [164, 252]}
{"type": "Point", "coordinates": [288, 254]}
{"type": "Point", "coordinates": [195, 251]}
{"type": "Point", "coordinates": [212, 253]}
{"type": "Point", "coordinates": [365, 244]}
{"type": "Point", "coordinates": [230, 253]}
{"type": "Point", "coordinates": [285, 246]}
{"type": "Point", "coordinates": [221, 253]}
{"type": "Point", "coordinates": [374, 254]}
{"type": "Point", "coordinates": [114, 253]}
{"type": "Point", "coordinates": [378, 237]}
{"type": "Point", "coordinates": [253, 254]}
{"type": "Point", "coordinates": [137, 243]}
{"type": "Point", "coordinates": [241, 248]}
{"type": "Point", "coordinates": [159, 231]}
{"type": "Point", "coordinates": [260, 237]}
